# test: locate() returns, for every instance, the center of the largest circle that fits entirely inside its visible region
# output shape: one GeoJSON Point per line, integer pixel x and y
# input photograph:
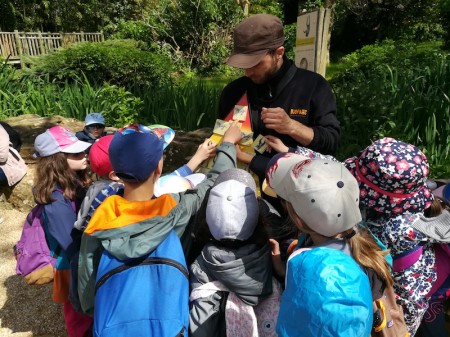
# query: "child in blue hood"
{"type": "Point", "coordinates": [327, 292]}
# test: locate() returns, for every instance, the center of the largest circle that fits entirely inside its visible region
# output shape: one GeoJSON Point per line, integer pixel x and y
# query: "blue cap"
{"type": "Point", "coordinates": [94, 118]}
{"type": "Point", "coordinates": [135, 152]}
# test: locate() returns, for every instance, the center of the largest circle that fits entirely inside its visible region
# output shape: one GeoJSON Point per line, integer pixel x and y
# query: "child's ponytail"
{"type": "Point", "coordinates": [367, 253]}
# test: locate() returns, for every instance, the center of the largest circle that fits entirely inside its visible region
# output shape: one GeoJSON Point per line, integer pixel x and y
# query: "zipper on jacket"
{"type": "Point", "coordinates": [141, 262]}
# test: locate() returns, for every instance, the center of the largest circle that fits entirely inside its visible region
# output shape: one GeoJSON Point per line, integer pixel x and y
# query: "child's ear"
{"type": "Point", "coordinates": [112, 175]}
{"type": "Point", "coordinates": [159, 168]}
{"type": "Point", "coordinates": [298, 222]}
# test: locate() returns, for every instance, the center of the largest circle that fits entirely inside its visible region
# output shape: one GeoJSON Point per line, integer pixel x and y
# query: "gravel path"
{"type": "Point", "coordinates": [24, 310]}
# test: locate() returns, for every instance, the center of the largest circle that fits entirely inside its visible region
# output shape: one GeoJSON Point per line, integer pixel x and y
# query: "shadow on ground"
{"type": "Point", "coordinates": [30, 309]}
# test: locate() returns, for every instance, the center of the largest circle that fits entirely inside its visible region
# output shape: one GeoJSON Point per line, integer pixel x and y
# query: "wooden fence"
{"type": "Point", "coordinates": [15, 45]}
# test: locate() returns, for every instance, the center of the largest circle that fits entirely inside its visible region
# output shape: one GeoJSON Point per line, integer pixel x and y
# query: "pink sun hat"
{"type": "Point", "coordinates": [58, 139]}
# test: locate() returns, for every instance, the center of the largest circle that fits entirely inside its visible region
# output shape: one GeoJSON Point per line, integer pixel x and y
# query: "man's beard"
{"type": "Point", "coordinates": [270, 73]}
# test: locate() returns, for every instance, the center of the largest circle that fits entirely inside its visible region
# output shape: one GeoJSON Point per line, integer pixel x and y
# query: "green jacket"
{"type": "Point", "coordinates": [125, 239]}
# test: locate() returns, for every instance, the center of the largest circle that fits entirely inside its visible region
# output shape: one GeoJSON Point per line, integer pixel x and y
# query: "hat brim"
{"type": "Point", "coordinates": [443, 192]}
{"type": "Point", "coordinates": [385, 204]}
{"type": "Point", "coordinates": [94, 122]}
{"type": "Point", "coordinates": [268, 190]}
{"type": "Point", "coordinates": [171, 184]}
{"type": "Point", "coordinates": [196, 178]}
{"type": "Point", "coordinates": [164, 132]}
{"type": "Point", "coordinates": [77, 147]}
{"type": "Point", "coordinates": [245, 61]}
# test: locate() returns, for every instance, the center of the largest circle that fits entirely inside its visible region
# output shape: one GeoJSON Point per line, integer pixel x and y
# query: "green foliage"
{"type": "Point", "coordinates": [186, 106]}
{"type": "Point", "coordinates": [67, 16]}
{"type": "Point", "coordinates": [118, 62]}
{"type": "Point", "coordinates": [445, 19]}
{"type": "Point", "coordinates": [198, 32]}
{"type": "Point", "coordinates": [290, 33]}
{"type": "Point", "coordinates": [7, 18]}
{"type": "Point", "coordinates": [135, 30]}
{"type": "Point", "coordinates": [119, 107]}
{"type": "Point", "coordinates": [189, 105]}
{"type": "Point", "coordinates": [400, 92]}
{"type": "Point", "coordinates": [32, 95]}
{"type": "Point", "coordinates": [359, 23]}
{"type": "Point", "coordinates": [266, 6]}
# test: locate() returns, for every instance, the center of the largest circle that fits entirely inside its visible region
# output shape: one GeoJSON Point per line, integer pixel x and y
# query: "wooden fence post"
{"type": "Point", "coordinates": [41, 43]}
{"type": "Point", "coordinates": [19, 47]}
{"type": "Point", "coordinates": [102, 37]}
{"type": "Point", "coordinates": [61, 37]}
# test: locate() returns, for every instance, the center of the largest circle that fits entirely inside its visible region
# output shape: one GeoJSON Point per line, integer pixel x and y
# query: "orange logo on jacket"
{"type": "Point", "coordinates": [301, 112]}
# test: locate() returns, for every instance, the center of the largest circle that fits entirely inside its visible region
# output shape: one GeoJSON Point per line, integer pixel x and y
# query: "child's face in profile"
{"type": "Point", "coordinates": [77, 161]}
{"type": "Point", "coordinates": [95, 129]}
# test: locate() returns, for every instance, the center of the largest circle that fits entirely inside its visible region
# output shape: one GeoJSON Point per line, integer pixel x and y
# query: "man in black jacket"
{"type": "Point", "coordinates": [293, 104]}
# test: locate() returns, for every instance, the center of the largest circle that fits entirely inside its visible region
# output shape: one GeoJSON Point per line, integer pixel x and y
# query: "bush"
{"type": "Point", "coordinates": [37, 95]}
{"type": "Point", "coordinates": [384, 94]}
{"type": "Point", "coordinates": [395, 54]}
{"type": "Point", "coordinates": [118, 62]}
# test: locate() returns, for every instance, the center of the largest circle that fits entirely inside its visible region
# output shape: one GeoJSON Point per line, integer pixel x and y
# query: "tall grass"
{"type": "Point", "coordinates": [37, 95]}
{"type": "Point", "coordinates": [411, 105]}
{"type": "Point", "coordinates": [186, 106]}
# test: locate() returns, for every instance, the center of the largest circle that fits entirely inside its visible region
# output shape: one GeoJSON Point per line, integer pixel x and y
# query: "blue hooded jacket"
{"type": "Point", "coordinates": [327, 294]}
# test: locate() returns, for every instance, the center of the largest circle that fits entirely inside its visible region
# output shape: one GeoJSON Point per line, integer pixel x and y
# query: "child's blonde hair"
{"type": "Point", "coordinates": [365, 250]}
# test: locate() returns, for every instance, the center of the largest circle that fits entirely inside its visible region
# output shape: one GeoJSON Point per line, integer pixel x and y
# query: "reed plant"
{"type": "Point", "coordinates": [410, 104]}
{"type": "Point", "coordinates": [185, 106]}
{"type": "Point", "coordinates": [37, 95]}
{"type": "Point", "coordinates": [188, 105]}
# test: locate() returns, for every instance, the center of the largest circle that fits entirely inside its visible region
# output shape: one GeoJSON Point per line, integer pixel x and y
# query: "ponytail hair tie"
{"type": "Point", "coordinates": [350, 234]}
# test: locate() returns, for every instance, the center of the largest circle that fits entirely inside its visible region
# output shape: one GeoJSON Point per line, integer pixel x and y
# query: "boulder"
{"type": "Point", "coordinates": [20, 197]}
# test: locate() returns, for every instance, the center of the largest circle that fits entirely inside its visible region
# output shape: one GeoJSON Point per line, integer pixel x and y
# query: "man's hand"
{"type": "Point", "coordinates": [277, 119]}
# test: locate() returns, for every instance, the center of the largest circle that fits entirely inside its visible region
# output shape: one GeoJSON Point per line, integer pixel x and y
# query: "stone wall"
{"type": "Point", "coordinates": [29, 126]}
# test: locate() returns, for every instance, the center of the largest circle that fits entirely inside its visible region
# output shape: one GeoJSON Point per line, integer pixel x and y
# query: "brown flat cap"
{"type": "Point", "coordinates": [253, 38]}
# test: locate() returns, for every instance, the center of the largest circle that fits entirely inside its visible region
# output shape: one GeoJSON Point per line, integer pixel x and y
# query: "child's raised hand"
{"type": "Point", "coordinates": [277, 264]}
{"type": "Point", "coordinates": [242, 156]}
{"type": "Point", "coordinates": [205, 150]}
{"type": "Point", "coordinates": [276, 144]}
{"type": "Point", "coordinates": [233, 134]}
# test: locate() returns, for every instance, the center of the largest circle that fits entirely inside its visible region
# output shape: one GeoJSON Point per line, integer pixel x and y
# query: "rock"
{"type": "Point", "coordinates": [20, 197]}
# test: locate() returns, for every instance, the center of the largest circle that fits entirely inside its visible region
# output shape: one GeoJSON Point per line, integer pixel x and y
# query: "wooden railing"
{"type": "Point", "coordinates": [15, 45]}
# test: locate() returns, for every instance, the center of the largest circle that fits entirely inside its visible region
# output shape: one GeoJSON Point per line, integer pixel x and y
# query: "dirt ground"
{"type": "Point", "coordinates": [24, 310]}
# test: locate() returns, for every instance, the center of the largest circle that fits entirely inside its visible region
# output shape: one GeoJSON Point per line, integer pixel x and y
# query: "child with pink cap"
{"type": "Point", "coordinates": [60, 184]}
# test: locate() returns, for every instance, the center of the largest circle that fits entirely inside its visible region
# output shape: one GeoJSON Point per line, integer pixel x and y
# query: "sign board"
{"type": "Point", "coordinates": [305, 46]}
{"type": "Point", "coordinates": [311, 47]}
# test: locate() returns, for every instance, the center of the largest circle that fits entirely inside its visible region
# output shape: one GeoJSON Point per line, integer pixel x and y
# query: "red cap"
{"type": "Point", "coordinates": [99, 158]}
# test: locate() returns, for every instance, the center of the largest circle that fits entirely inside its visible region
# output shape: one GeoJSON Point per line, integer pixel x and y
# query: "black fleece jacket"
{"type": "Point", "coordinates": [304, 95]}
